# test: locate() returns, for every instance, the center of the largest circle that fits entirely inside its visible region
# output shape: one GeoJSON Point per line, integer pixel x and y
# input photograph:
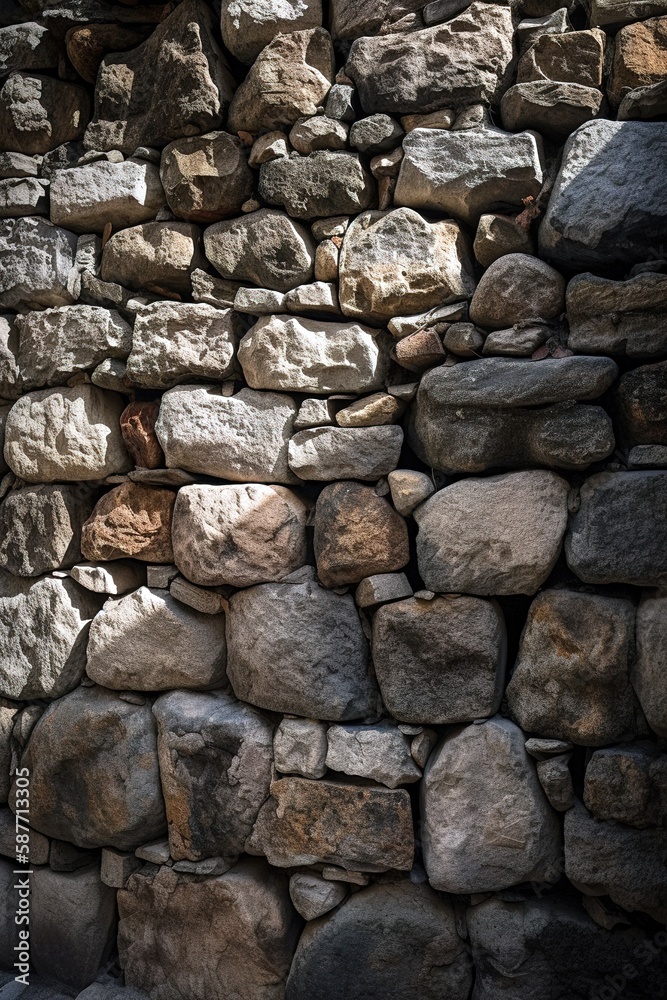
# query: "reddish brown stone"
{"type": "Point", "coordinates": [137, 425]}
{"type": "Point", "coordinates": [130, 520]}
{"type": "Point", "coordinates": [87, 45]}
{"type": "Point", "coordinates": [640, 57]}
{"type": "Point", "coordinates": [420, 350]}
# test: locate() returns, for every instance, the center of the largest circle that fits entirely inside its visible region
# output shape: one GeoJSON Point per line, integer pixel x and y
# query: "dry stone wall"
{"type": "Point", "coordinates": [333, 498]}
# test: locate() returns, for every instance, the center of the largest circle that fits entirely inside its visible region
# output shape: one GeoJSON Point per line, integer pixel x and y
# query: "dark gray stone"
{"type": "Point", "coordinates": [320, 185]}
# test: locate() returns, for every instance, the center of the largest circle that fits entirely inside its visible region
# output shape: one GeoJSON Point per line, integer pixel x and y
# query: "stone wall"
{"type": "Point", "coordinates": [333, 520]}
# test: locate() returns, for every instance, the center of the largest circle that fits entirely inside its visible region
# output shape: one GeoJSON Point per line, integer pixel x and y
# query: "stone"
{"type": "Point", "coordinates": [498, 235]}
{"type": "Point", "coordinates": [639, 405]}
{"type": "Point", "coordinates": [137, 426]}
{"type": "Point", "coordinates": [173, 341]}
{"type": "Point", "coordinates": [605, 12]}
{"type": "Point", "coordinates": [376, 134]}
{"type": "Point", "coordinates": [300, 747]}
{"type": "Point", "coordinates": [531, 29]}
{"type": "Point", "coordinates": [304, 355]}
{"type": "Point", "coordinates": [440, 661]}
{"type": "Point", "coordinates": [238, 535]}
{"type": "Point", "coordinates": [606, 205]}
{"type": "Point", "coordinates": [36, 260]}
{"type": "Point", "coordinates": [341, 103]}
{"type": "Point", "coordinates": [326, 453]}
{"type": "Point", "coordinates": [88, 44]}
{"type": "Point", "coordinates": [396, 263]}
{"type": "Point", "coordinates": [9, 715]}
{"type": "Point", "coordinates": [517, 287]}
{"type": "Point", "coordinates": [160, 577]}
{"type": "Point", "coordinates": [640, 57]}
{"type": "Point", "coordinates": [647, 456]}
{"type": "Point", "coordinates": [359, 827]}
{"type": "Point", "coordinates": [117, 866]}
{"type": "Point", "coordinates": [379, 752]}
{"type": "Point", "coordinates": [319, 297]}
{"type": "Point", "coordinates": [644, 102]}
{"type": "Point", "coordinates": [240, 438]}
{"type": "Point", "coordinates": [55, 344]}
{"type": "Point", "coordinates": [269, 146]}
{"type": "Point", "coordinates": [288, 79]}
{"type": "Point", "coordinates": [353, 18]}
{"type": "Point", "coordinates": [86, 199]}
{"type": "Point", "coordinates": [444, 118]}
{"type": "Point", "coordinates": [13, 165]}
{"type": "Point", "coordinates": [567, 57]}
{"type": "Point", "coordinates": [130, 520]}
{"type": "Point", "coordinates": [149, 641]}
{"type": "Point", "coordinates": [205, 177]}
{"type": "Point", "coordinates": [155, 256]}
{"type": "Point", "coordinates": [519, 341]}
{"type": "Point", "coordinates": [319, 132]}
{"type": "Point", "coordinates": [297, 648]}
{"type": "Point", "coordinates": [555, 109]}
{"type": "Point", "coordinates": [628, 785]}
{"type": "Point", "coordinates": [155, 852]}
{"type": "Point", "coordinates": [647, 672]}
{"type": "Point", "coordinates": [470, 173]}
{"type": "Point", "coordinates": [327, 256]}
{"type": "Point", "coordinates": [618, 317]}
{"type": "Point", "coordinates": [381, 588]}
{"type": "Point", "coordinates": [386, 934]}
{"type": "Point", "coordinates": [322, 184]}
{"type": "Point", "coordinates": [214, 291]}
{"type": "Point", "coordinates": [85, 785]}
{"type": "Point", "coordinates": [65, 434]}
{"type": "Point", "coordinates": [199, 598]}
{"type": "Point", "coordinates": [37, 852]}
{"type": "Point", "coordinates": [260, 301]}
{"type": "Point", "coordinates": [473, 534]}
{"type": "Point", "coordinates": [619, 861]}
{"type": "Point", "coordinates": [467, 60]}
{"type": "Point", "coordinates": [215, 766]}
{"type": "Point", "coordinates": [27, 46]}
{"type": "Point", "coordinates": [464, 340]}
{"type": "Point", "coordinates": [38, 113]}
{"type": "Point", "coordinates": [409, 489]}
{"type": "Point", "coordinates": [357, 533]}
{"type": "Point", "coordinates": [314, 896]}
{"type": "Point", "coordinates": [23, 196]}
{"type": "Point", "coordinates": [265, 248]}
{"type": "Point", "coordinates": [249, 25]}
{"type": "Point", "coordinates": [175, 83]}
{"type": "Point", "coordinates": [616, 535]}
{"type": "Point", "coordinates": [483, 770]}
{"type": "Point", "coordinates": [111, 578]}
{"type": "Point", "coordinates": [40, 528]}
{"type": "Point", "coordinates": [371, 411]}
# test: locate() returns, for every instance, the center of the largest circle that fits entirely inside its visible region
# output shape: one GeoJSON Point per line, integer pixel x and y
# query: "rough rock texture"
{"type": "Point", "coordinates": [628, 784]}
{"type": "Point", "coordinates": [379, 753]}
{"type": "Point", "coordinates": [618, 317]}
{"type": "Point", "coordinates": [36, 259]}
{"type": "Point", "coordinates": [156, 255]}
{"type": "Point", "coordinates": [647, 673]}
{"type": "Point", "coordinates": [321, 184]}
{"type": "Point", "coordinates": [345, 452]}
{"type": "Point", "coordinates": [205, 177]}
{"type": "Point", "coordinates": [248, 25]}
{"type": "Point", "coordinates": [130, 520]}
{"type": "Point", "coordinates": [38, 113]}
{"type": "Point", "coordinates": [265, 248]}
{"type": "Point", "coordinates": [40, 528]}
{"type": "Point", "coordinates": [517, 287]}
{"type": "Point", "coordinates": [85, 199]}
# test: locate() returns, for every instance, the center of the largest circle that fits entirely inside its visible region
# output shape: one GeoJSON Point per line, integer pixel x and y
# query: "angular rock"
{"type": "Point", "coordinates": [359, 827]}
{"type": "Point", "coordinates": [88, 44]}
{"type": "Point", "coordinates": [28, 46]}
{"type": "Point", "coordinates": [517, 287]}
{"type": "Point", "coordinates": [556, 780]}
{"type": "Point", "coordinates": [241, 438]}
{"type": "Point", "coordinates": [38, 113]}
{"type": "Point", "coordinates": [469, 173]}
{"type": "Point", "coordinates": [148, 641]}
{"type": "Point", "coordinates": [85, 785]}
{"type": "Point", "coordinates": [175, 83]}
{"type": "Point", "coordinates": [297, 648]}
{"type": "Point", "coordinates": [326, 453]}
{"type": "Point", "coordinates": [353, 18]}
{"type": "Point", "coordinates": [371, 411]}
{"type": "Point", "coordinates": [498, 235]}
{"type": "Point", "coordinates": [318, 297]}
{"type": "Point", "coordinates": [303, 355]}
{"type": "Point", "coordinates": [137, 425]}
{"type": "Point", "coordinates": [40, 528]}
{"type": "Point", "coordinates": [473, 535]}
{"type": "Point", "coordinates": [568, 57]}
{"type": "Point", "coordinates": [36, 260]}
{"type": "Point", "coordinates": [640, 57]}
{"type": "Point", "coordinates": [320, 185]}
{"type": "Point", "coordinates": [639, 405]}
{"type": "Point", "coordinates": [375, 134]}
{"type": "Point", "coordinates": [484, 771]}
{"type": "Point", "coordinates": [617, 535]}
{"type": "Point", "coordinates": [9, 714]}
{"type": "Point", "coordinates": [86, 199]}
{"type": "Point", "coordinates": [628, 785]}
{"type": "Point", "coordinates": [110, 578]}
{"type": "Point", "coordinates": [248, 25]}
{"type": "Point", "coordinates": [571, 680]}
{"type": "Point", "coordinates": [205, 177]}
{"type": "Point", "coordinates": [380, 753]}
{"type": "Point", "coordinates": [618, 317]}
{"type": "Point", "coordinates": [644, 102]}
{"type": "Point", "coordinates": [314, 896]}
{"type": "Point", "coordinates": [238, 535]}
{"type": "Point", "coordinates": [555, 109]}
{"type": "Point", "coordinates": [647, 671]}
{"type": "Point", "coordinates": [300, 747]}
{"type": "Point", "coordinates": [319, 132]}
{"type": "Point", "coordinates": [154, 256]}
{"type": "Point", "coordinates": [519, 341]}
{"type": "Point", "coordinates": [264, 247]}
{"type": "Point", "coordinates": [65, 434]}
{"type": "Point", "coordinates": [23, 196]}
{"type": "Point", "coordinates": [130, 520]}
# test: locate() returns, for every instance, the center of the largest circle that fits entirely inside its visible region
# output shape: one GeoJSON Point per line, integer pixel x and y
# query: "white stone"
{"type": "Point", "coordinates": [115, 577]}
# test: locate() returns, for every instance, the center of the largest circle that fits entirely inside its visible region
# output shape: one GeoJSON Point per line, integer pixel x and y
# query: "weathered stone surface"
{"type": "Point", "coordinates": [380, 753]}
{"type": "Point", "coordinates": [616, 536]}
{"type": "Point", "coordinates": [215, 765]}
{"type": "Point", "coordinates": [375, 134]}
{"type": "Point", "coordinates": [264, 247]}
{"type": "Point", "coordinates": [303, 355]}
{"type": "Point", "coordinates": [300, 747]}
{"type": "Point", "coordinates": [35, 259]}
{"type": "Point", "coordinates": [322, 184]}
{"type": "Point", "coordinates": [609, 201]}
{"type": "Point", "coordinates": [9, 714]}
{"type": "Point", "coordinates": [396, 263]}
{"type": "Point", "coordinates": [571, 680]}
{"type": "Point", "coordinates": [518, 341]}
{"type": "Point", "coordinates": [555, 109]}
{"type": "Point", "coordinates": [313, 896]}
{"type": "Point", "coordinates": [44, 628]}
{"type": "Point", "coordinates": [473, 535]}
{"type": "Point", "coordinates": [357, 533]}
{"type": "Point", "coordinates": [325, 453]}
{"type": "Point", "coordinates": [467, 60]}
{"type": "Point", "coordinates": [498, 235]}
{"type": "Point", "coordinates": [353, 18]}
{"type": "Point", "coordinates": [440, 661]}
{"type": "Point", "coordinates": [362, 828]}
{"type": "Point", "coordinates": [65, 434]}
{"type": "Point", "coordinates": [173, 341]}
{"type": "Point", "coordinates": [628, 785]}
{"type": "Point", "coordinates": [469, 173]}
{"type": "Point", "coordinates": [647, 671]}
{"type": "Point", "coordinates": [371, 411]}
{"type": "Point", "coordinates": [486, 822]}
{"type": "Point", "coordinates": [387, 934]}
{"type": "Point", "coordinates": [88, 44]}
{"type": "Point", "coordinates": [248, 25]}
{"type": "Point", "coordinates": [130, 520]}
{"type": "Point", "coordinates": [85, 783]}
{"type": "Point", "coordinates": [381, 588]}
{"type": "Point", "coordinates": [517, 287]}
{"type": "Point", "coordinates": [618, 317]}
{"type": "Point", "coordinates": [568, 57]}
{"type": "Point", "coordinates": [154, 256]}
{"type": "Point", "coordinates": [297, 648]}
{"type": "Point", "coordinates": [409, 489]}
{"type": "Point", "coordinates": [175, 83]}
{"type": "Point", "coordinates": [617, 12]}
{"type": "Point", "coordinates": [644, 103]}
{"type": "Point", "coordinates": [556, 781]}
{"type": "Point", "coordinates": [27, 46]}
{"type": "Point", "coordinates": [639, 405]}
{"type": "Point", "coordinates": [289, 78]}
{"type": "Point", "coordinates": [242, 437]}
{"type": "Point", "coordinates": [40, 528]}
{"type": "Point", "coordinates": [640, 57]}
{"type": "Point", "coordinates": [86, 199]}
{"type": "Point", "coordinates": [109, 578]}
{"type": "Point", "coordinates": [205, 177]}
{"type": "Point", "coordinates": [38, 113]}
{"type": "Point", "coordinates": [310, 134]}
{"type": "Point", "coordinates": [238, 535]}
{"type": "Point", "coordinates": [148, 641]}
{"type": "Point", "coordinates": [23, 196]}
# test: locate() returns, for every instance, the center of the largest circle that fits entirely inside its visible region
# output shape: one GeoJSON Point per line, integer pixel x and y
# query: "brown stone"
{"type": "Point", "coordinates": [640, 57]}
{"type": "Point", "coordinates": [639, 406]}
{"type": "Point", "coordinates": [571, 57]}
{"type": "Point", "coordinates": [357, 534]}
{"type": "Point", "coordinates": [88, 44]}
{"type": "Point", "coordinates": [130, 520]}
{"type": "Point", "coordinates": [206, 177]}
{"type": "Point", "coordinates": [137, 425]}
{"type": "Point", "coordinates": [420, 350]}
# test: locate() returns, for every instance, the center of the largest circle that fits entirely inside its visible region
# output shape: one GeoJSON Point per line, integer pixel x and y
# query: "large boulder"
{"type": "Point", "coordinates": [265, 248]}
{"type": "Point", "coordinates": [155, 256]}
{"type": "Point", "coordinates": [86, 199]}
{"type": "Point", "coordinates": [640, 57]}
{"type": "Point", "coordinates": [487, 824]}
{"type": "Point", "coordinates": [205, 177]}
{"type": "Point", "coordinates": [322, 184]}
{"type": "Point", "coordinates": [40, 528]}
{"type": "Point", "coordinates": [38, 113]}
{"type": "Point", "coordinates": [647, 672]}
{"type": "Point", "coordinates": [36, 259]}
{"type": "Point", "coordinates": [248, 25]}
{"type": "Point", "coordinates": [618, 317]}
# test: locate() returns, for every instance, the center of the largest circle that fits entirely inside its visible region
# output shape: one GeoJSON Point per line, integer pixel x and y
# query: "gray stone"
{"type": "Point", "coordinates": [499, 234]}
{"type": "Point", "coordinates": [300, 649]}
{"type": "Point", "coordinates": [326, 453]}
{"type": "Point", "coordinates": [566, 56]}
{"type": "Point", "coordinates": [264, 247]}
{"type": "Point", "coordinates": [647, 671]}
{"type": "Point", "coordinates": [618, 317]}
{"type": "Point", "coordinates": [531, 29]}
{"type": "Point", "coordinates": [473, 534]}
{"type": "Point", "coordinates": [200, 598]}
{"type": "Point", "coordinates": [553, 109]}
{"type": "Point", "coordinates": [409, 489]}
{"type": "Point", "coordinates": [375, 134]}
{"type": "Point", "coordinates": [628, 785]}
{"type": "Point", "coordinates": [14, 165]}
{"type": "Point", "coordinates": [518, 341]}
{"type": "Point", "coordinates": [319, 185]}
{"type": "Point", "coordinates": [38, 113]}
{"type": "Point", "coordinates": [609, 202]}
{"type": "Point", "coordinates": [318, 132]}
{"type": "Point", "coordinates": [86, 199]}
{"type": "Point", "coordinates": [248, 25]}
{"type": "Point", "coordinates": [205, 177]}
{"type": "Point", "coordinates": [155, 256]}
{"type": "Point", "coordinates": [340, 103]}
{"type": "Point", "coordinates": [319, 297]}
{"type": "Point", "coordinates": [23, 196]}
{"type": "Point", "coordinates": [116, 867]}
{"type": "Point", "coordinates": [155, 852]}
{"type": "Point", "coordinates": [40, 528]}
{"type": "Point", "coordinates": [644, 102]}
{"type": "Point", "coordinates": [647, 456]}
{"type": "Point", "coordinates": [379, 752]}
{"type": "Point", "coordinates": [617, 12]}
{"type": "Point", "coordinates": [113, 578]}
{"type": "Point", "coordinates": [300, 747]}
{"type": "Point", "coordinates": [215, 766]}
{"type": "Point", "coordinates": [260, 301]}
{"type": "Point", "coordinates": [36, 260]}
{"type": "Point", "coordinates": [556, 780]}
{"type": "Point", "coordinates": [27, 46]}
{"type": "Point", "coordinates": [314, 896]}
{"type": "Point", "coordinates": [469, 173]}
{"type": "Point", "coordinates": [517, 287]}
{"type": "Point", "coordinates": [38, 846]}
{"type": "Point", "coordinates": [381, 588]}
{"type": "Point", "coordinates": [240, 438]}
{"type": "Point", "coordinates": [353, 18]}
{"type": "Point", "coordinates": [464, 340]}
{"type": "Point", "coordinates": [269, 146]}
{"type": "Point", "coordinates": [9, 714]}
{"type": "Point", "coordinates": [483, 771]}
{"type": "Point", "coordinates": [214, 291]}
